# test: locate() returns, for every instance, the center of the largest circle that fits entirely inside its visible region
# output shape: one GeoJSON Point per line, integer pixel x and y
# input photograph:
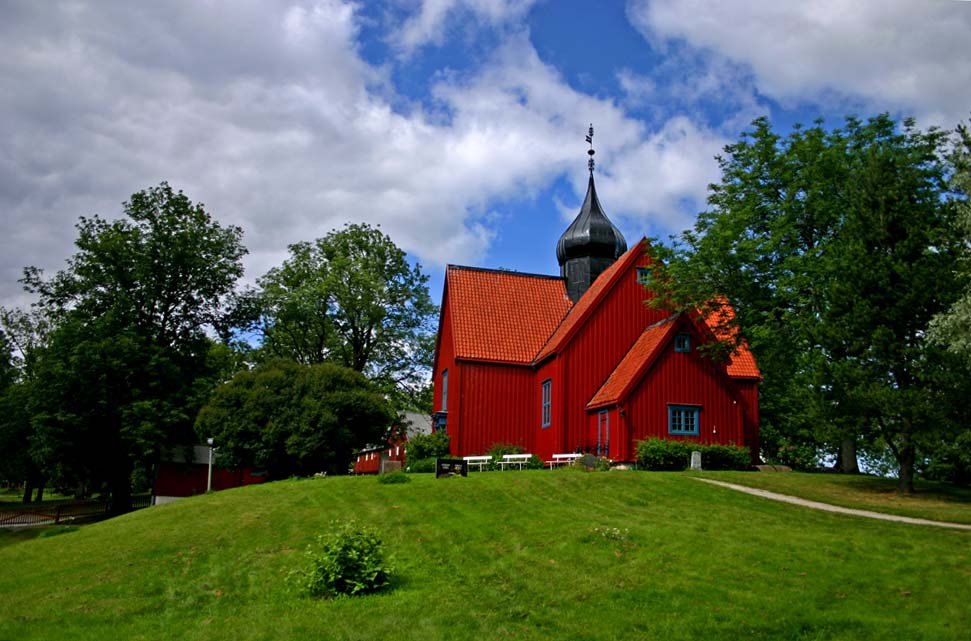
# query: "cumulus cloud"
{"type": "Point", "coordinates": [430, 23]}
{"type": "Point", "coordinates": [906, 55]}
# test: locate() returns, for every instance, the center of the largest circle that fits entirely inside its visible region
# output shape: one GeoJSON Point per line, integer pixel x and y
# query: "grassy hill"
{"type": "Point", "coordinates": [516, 555]}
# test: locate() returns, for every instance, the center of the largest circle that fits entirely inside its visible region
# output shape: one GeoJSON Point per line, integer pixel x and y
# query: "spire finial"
{"type": "Point", "coordinates": [590, 152]}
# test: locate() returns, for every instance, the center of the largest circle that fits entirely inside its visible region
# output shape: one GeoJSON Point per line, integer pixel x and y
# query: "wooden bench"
{"type": "Point", "coordinates": [478, 460]}
{"type": "Point", "coordinates": [515, 459]}
{"type": "Point", "coordinates": [563, 459]}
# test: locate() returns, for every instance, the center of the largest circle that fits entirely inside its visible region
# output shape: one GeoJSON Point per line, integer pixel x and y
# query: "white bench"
{"type": "Point", "coordinates": [563, 459]}
{"type": "Point", "coordinates": [477, 460]}
{"type": "Point", "coordinates": [515, 459]}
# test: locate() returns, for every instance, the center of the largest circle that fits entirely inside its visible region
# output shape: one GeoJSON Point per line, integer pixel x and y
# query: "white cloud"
{"type": "Point", "coordinates": [430, 23]}
{"type": "Point", "coordinates": [908, 55]}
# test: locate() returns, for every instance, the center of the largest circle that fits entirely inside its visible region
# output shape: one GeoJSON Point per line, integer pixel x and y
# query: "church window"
{"type": "Point", "coordinates": [444, 390]}
{"type": "Point", "coordinates": [643, 275]}
{"type": "Point", "coordinates": [682, 343]}
{"type": "Point", "coordinates": [547, 402]}
{"type": "Point", "coordinates": [683, 419]}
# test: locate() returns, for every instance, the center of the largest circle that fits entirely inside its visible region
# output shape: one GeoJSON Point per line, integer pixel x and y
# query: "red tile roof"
{"type": "Point", "coordinates": [590, 299]}
{"type": "Point", "coordinates": [503, 316]}
{"type": "Point", "coordinates": [741, 363]}
{"type": "Point", "coordinates": [632, 367]}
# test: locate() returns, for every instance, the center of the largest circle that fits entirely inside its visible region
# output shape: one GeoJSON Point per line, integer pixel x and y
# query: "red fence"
{"type": "Point", "coordinates": [63, 512]}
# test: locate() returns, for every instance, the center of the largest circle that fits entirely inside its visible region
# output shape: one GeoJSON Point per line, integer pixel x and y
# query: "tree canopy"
{"type": "Point", "coordinates": [349, 298]}
{"type": "Point", "coordinates": [836, 249]}
{"type": "Point", "coordinates": [125, 365]}
{"type": "Point", "coordinates": [294, 419]}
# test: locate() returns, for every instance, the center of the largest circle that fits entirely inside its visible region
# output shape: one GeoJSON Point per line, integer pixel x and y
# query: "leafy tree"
{"type": "Point", "coordinates": [22, 335]}
{"type": "Point", "coordinates": [128, 360]}
{"type": "Point", "coordinates": [349, 298]}
{"type": "Point", "coordinates": [294, 419]}
{"type": "Point", "coordinates": [836, 248]}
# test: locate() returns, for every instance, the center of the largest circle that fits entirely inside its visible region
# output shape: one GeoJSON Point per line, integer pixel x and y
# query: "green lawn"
{"type": "Point", "coordinates": [935, 501]}
{"type": "Point", "coordinates": [515, 555]}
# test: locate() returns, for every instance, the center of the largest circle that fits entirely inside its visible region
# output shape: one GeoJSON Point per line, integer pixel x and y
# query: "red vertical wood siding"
{"type": "Point", "coordinates": [498, 405]}
{"type": "Point", "coordinates": [597, 348]}
{"type": "Point", "coordinates": [685, 379]}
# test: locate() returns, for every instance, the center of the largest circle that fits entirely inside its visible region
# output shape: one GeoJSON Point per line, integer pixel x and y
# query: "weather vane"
{"type": "Point", "coordinates": [590, 152]}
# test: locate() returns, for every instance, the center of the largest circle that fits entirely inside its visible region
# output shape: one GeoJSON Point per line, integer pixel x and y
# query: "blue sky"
{"type": "Point", "coordinates": [457, 125]}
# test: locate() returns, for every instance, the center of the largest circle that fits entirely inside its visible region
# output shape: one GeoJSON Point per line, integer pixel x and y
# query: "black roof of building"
{"type": "Point", "coordinates": [591, 233]}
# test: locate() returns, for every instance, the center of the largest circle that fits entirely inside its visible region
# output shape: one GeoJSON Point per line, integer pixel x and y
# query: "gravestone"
{"type": "Point", "coordinates": [696, 461]}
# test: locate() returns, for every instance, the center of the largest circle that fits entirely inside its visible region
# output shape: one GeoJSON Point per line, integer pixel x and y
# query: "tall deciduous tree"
{"type": "Point", "coordinates": [289, 418]}
{"type": "Point", "coordinates": [127, 361]}
{"type": "Point", "coordinates": [836, 249]}
{"type": "Point", "coordinates": [349, 298]}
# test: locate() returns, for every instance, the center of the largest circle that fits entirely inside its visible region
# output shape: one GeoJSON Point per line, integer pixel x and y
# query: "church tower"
{"type": "Point", "coordinates": [591, 243]}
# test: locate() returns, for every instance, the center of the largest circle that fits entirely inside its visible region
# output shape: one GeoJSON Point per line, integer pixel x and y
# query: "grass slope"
{"type": "Point", "coordinates": [517, 555]}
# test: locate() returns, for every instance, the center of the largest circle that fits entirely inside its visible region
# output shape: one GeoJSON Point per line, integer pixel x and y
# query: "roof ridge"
{"type": "Point", "coordinates": [509, 272]}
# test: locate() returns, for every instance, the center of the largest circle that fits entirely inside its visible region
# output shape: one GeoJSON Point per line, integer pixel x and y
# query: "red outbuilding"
{"type": "Point", "coordinates": [579, 362]}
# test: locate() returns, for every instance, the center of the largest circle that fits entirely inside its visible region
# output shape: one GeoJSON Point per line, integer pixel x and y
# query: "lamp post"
{"type": "Point", "coordinates": [209, 483]}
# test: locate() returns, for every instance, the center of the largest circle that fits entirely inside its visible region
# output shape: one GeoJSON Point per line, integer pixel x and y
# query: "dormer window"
{"type": "Point", "coordinates": [682, 343]}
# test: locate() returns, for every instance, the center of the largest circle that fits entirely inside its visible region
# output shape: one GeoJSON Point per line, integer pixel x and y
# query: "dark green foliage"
{"type": "Point", "coordinates": [349, 298]}
{"type": "Point", "coordinates": [420, 466]}
{"type": "Point", "coordinates": [665, 455]}
{"type": "Point", "coordinates": [724, 457]}
{"type": "Point", "coordinates": [535, 463]}
{"type": "Point", "coordinates": [126, 362]}
{"type": "Point", "coordinates": [393, 478]}
{"type": "Point", "coordinates": [427, 446]}
{"type": "Point", "coordinates": [347, 561]}
{"type": "Point", "coordinates": [293, 419]}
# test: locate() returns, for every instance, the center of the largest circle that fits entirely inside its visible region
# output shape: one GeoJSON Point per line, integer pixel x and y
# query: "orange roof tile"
{"type": "Point", "coordinates": [503, 316]}
{"type": "Point", "coordinates": [633, 365]}
{"type": "Point", "coordinates": [741, 364]}
{"type": "Point", "coordinates": [589, 300]}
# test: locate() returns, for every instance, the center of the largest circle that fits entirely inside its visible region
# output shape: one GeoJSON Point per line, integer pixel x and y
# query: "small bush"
{"type": "Point", "coordinates": [427, 446]}
{"type": "Point", "coordinates": [603, 464]}
{"type": "Point", "coordinates": [349, 560]}
{"type": "Point", "coordinates": [724, 457]}
{"type": "Point", "coordinates": [535, 463]}
{"type": "Point", "coordinates": [664, 455]}
{"type": "Point", "coordinates": [421, 466]}
{"type": "Point", "coordinates": [498, 450]}
{"type": "Point", "coordinates": [393, 477]}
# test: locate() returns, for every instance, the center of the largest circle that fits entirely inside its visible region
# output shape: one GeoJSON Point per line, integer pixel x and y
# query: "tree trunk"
{"type": "Point", "coordinates": [846, 462]}
{"type": "Point", "coordinates": [40, 491]}
{"type": "Point", "coordinates": [905, 458]}
{"type": "Point", "coordinates": [121, 491]}
{"type": "Point", "coordinates": [28, 491]}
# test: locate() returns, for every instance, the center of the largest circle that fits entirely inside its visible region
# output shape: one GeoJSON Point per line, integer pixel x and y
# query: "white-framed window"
{"type": "Point", "coordinates": [547, 402]}
{"type": "Point", "coordinates": [444, 390]}
{"type": "Point", "coordinates": [683, 419]}
{"type": "Point", "coordinates": [643, 275]}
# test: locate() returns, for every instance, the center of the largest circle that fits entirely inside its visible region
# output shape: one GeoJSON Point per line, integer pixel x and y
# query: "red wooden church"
{"type": "Point", "coordinates": [578, 362]}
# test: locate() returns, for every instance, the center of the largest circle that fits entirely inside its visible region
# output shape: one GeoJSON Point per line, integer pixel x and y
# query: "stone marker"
{"type": "Point", "coordinates": [696, 461]}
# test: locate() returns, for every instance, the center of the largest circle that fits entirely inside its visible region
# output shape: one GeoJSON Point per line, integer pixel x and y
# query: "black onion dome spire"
{"type": "Point", "coordinates": [591, 243]}
{"type": "Point", "coordinates": [591, 233]}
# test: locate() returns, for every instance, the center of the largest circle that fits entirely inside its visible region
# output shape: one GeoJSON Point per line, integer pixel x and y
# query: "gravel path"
{"type": "Point", "coordinates": [826, 507]}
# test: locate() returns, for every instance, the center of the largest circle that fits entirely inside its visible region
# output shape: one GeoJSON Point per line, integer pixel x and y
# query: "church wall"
{"type": "Point", "coordinates": [685, 379]}
{"type": "Point", "coordinates": [598, 347]}
{"type": "Point", "coordinates": [550, 440]}
{"type": "Point", "coordinates": [446, 361]}
{"type": "Point", "coordinates": [498, 405]}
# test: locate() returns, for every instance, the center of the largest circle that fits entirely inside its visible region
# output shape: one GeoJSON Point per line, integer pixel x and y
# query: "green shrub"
{"type": "Point", "coordinates": [498, 450]}
{"type": "Point", "coordinates": [602, 465]}
{"type": "Point", "coordinates": [421, 466]}
{"type": "Point", "coordinates": [724, 457]}
{"type": "Point", "coordinates": [349, 560]}
{"type": "Point", "coordinates": [665, 455]}
{"type": "Point", "coordinates": [662, 454]}
{"type": "Point", "coordinates": [427, 446]}
{"type": "Point", "coordinates": [535, 463]}
{"type": "Point", "coordinates": [391, 478]}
